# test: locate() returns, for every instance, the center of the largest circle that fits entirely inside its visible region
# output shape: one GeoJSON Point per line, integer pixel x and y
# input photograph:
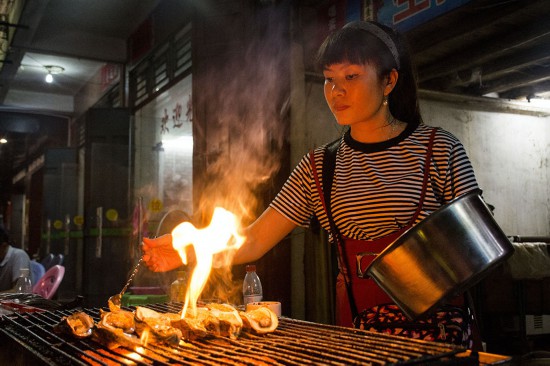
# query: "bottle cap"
{"type": "Point", "coordinates": [24, 271]}
{"type": "Point", "coordinates": [251, 268]}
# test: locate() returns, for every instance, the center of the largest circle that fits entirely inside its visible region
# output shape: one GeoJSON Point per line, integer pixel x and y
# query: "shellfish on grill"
{"type": "Point", "coordinates": [191, 326]}
{"type": "Point", "coordinates": [212, 319]}
{"type": "Point", "coordinates": [228, 320]}
{"type": "Point", "coordinates": [115, 329]}
{"type": "Point", "coordinates": [155, 327]}
{"type": "Point", "coordinates": [261, 320]}
{"type": "Point", "coordinates": [121, 319]}
{"type": "Point", "coordinates": [78, 324]}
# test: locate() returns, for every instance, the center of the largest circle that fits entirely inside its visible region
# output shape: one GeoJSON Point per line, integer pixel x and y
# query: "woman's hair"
{"type": "Point", "coordinates": [354, 43]}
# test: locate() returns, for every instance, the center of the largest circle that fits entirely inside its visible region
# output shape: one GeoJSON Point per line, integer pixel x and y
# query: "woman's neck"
{"type": "Point", "coordinates": [383, 132]}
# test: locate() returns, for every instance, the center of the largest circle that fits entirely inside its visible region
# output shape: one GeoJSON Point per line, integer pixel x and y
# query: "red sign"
{"type": "Point", "coordinates": [141, 41]}
{"type": "Point", "coordinates": [110, 74]}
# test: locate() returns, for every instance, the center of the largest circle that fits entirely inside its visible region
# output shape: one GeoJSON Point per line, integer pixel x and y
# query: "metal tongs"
{"type": "Point", "coordinates": [115, 301]}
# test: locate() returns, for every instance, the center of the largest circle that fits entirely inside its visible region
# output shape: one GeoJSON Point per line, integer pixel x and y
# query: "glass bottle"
{"type": "Point", "coordinates": [23, 283]}
{"type": "Point", "coordinates": [178, 287]}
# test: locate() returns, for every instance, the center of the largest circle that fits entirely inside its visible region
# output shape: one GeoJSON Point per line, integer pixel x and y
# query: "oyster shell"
{"type": "Point", "coordinates": [78, 324]}
{"type": "Point", "coordinates": [121, 319]}
{"type": "Point", "coordinates": [261, 320]}
{"type": "Point", "coordinates": [191, 327]}
{"type": "Point", "coordinates": [213, 319]}
{"type": "Point", "coordinates": [229, 322]}
{"type": "Point", "coordinates": [112, 337]}
{"type": "Point", "coordinates": [155, 327]}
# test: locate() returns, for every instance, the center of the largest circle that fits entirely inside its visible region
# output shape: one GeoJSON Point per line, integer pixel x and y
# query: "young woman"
{"type": "Point", "coordinates": [390, 170]}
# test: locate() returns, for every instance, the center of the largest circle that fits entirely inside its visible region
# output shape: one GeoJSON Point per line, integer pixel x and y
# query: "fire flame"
{"type": "Point", "coordinates": [145, 337]}
{"type": "Point", "coordinates": [221, 235]}
{"type": "Point", "coordinates": [136, 356]}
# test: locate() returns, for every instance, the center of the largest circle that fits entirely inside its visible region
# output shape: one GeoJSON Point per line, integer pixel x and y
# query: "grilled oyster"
{"type": "Point", "coordinates": [229, 323]}
{"type": "Point", "coordinates": [155, 327]}
{"type": "Point", "coordinates": [261, 320]}
{"type": "Point", "coordinates": [192, 327]}
{"type": "Point", "coordinates": [121, 319]}
{"type": "Point", "coordinates": [78, 324]}
{"type": "Point", "coordinates": [213, 319]}
{"type": "Point", "coordinates": [111, 336]}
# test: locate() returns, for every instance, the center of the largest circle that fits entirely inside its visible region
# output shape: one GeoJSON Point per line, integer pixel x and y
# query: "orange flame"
{"type": "Point", "coordinates": [221, 235]}
{"type": "Point", "coordinates": [132, 355]}
{"type": "Point", "coordinates": [144, 339]}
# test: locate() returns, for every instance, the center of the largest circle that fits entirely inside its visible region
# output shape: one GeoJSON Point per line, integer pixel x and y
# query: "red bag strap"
{"type": "Point", "coordinates": [334, 230]}
{"type": "Point", "coordinates": [427, 165]}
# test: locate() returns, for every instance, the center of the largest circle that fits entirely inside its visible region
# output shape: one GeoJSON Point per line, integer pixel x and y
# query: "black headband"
{"type": "Point", "coordinates": [379, 33]}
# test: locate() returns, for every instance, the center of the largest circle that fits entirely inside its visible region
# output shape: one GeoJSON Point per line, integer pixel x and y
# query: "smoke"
{"type": "Point", "coordinates": [245, 98]}
{"type": "Point", "coordinates": [240, 106]}
{"type": "Point", "coordinates": [222, 287]}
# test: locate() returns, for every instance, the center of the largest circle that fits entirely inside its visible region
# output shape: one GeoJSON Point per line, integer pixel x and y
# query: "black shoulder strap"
{"type": "Point", "coordinates": [339, 249]}
{"type": "Point", "coordinates": [329, 164]}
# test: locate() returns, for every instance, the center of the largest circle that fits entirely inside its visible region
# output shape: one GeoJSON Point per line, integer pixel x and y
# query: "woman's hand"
{"type": "Point", "coordinates": [159, 255]}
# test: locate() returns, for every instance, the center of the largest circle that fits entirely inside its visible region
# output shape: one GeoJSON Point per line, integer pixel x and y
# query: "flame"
{"type": "Point", "coordinates": [144, 339]}
{"type": "Point", "coordinates": [221, 235]}
{"type": "Point", "coordinates": [135, 355]}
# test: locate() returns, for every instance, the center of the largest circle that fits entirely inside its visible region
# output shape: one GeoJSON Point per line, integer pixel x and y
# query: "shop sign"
{"type": "Point", "coordinates": [408, 14]}
{"type": "Point", "coordinates": [109, 74]}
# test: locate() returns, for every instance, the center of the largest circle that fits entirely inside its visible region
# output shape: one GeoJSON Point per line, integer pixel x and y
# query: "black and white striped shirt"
{"type": "Point", "coordinates": [377, 187]}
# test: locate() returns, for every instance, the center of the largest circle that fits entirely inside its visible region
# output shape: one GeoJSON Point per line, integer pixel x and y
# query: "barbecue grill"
{"type": "Point", "coordinates": [295, 342]}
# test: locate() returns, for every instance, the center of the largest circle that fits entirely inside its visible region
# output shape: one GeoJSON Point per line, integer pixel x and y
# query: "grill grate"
{"type": "Point", "coordinates": [295, 342]}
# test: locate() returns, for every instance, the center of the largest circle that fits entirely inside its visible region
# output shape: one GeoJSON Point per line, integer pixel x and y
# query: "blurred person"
{"type": "Point", "coordinates": [12, 260]}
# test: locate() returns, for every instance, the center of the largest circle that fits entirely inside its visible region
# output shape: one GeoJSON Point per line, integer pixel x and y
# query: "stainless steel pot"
{"type": "Point", "coordinates": [442, 256]}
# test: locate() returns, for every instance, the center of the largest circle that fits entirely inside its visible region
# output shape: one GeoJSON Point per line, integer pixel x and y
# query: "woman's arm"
{"type": "Point", "coordinates": [268, 230]}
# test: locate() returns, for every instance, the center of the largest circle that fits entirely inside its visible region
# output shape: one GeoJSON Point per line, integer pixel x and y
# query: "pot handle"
{"type": "Point", "coordinates": [360, 259]}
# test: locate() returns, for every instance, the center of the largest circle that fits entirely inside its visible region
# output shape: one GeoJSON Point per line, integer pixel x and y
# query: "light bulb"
{"type": "Point", "coordinates": [49, 78]}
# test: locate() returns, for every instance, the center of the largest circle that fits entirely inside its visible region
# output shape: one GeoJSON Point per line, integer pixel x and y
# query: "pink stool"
{"type": "Point", "coordinates": [48, 284]}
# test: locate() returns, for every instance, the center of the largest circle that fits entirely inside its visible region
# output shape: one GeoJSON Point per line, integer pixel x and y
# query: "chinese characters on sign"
{"type": "Point", "coordinates": [408, 14]}
{"type": "Point", "coordinates": [176, 117]}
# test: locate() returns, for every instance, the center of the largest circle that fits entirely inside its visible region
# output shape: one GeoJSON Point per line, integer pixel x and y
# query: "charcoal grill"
{"type": "Point", "coordinates": [295, 342]}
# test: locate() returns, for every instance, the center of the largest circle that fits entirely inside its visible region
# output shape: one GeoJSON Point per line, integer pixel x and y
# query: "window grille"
{"type": "Point", "coordinates": [161, 68]}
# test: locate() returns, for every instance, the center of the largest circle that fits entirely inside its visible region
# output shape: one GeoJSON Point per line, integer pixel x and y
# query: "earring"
{"type": "Point", "coordinates": [385, 102]}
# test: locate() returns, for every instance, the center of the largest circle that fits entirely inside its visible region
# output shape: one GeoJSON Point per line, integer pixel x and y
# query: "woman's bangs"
{"type": "Point", "coordinates": [343, 47]}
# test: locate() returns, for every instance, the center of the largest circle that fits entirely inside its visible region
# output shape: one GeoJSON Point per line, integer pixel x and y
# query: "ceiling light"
{"type": "Point", "coordinates": [52, 70]}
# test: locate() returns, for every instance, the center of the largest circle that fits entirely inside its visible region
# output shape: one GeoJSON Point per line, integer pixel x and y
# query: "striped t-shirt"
{"type": "Point", "coordinates": [376, 187]}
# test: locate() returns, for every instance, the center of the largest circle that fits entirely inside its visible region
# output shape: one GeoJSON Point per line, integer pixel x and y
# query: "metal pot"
{"type": "Point", "coordinates": [442, 256]}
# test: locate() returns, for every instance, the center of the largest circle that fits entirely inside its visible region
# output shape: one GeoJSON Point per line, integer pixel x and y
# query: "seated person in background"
{"type": "Point", "coordinates": [11, 261]}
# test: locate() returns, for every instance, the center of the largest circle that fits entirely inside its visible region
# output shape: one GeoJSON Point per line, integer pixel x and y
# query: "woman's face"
{"type": "Point", "coordinates": [354, 93]}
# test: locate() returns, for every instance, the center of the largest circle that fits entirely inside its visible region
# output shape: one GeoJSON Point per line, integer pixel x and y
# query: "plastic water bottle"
{"type": "Point", "coordinates": [23, 283]}
{"type": "Point", "coordinates": [252, 287]}
{"type": "Point", "coordinates": [178, 287]}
